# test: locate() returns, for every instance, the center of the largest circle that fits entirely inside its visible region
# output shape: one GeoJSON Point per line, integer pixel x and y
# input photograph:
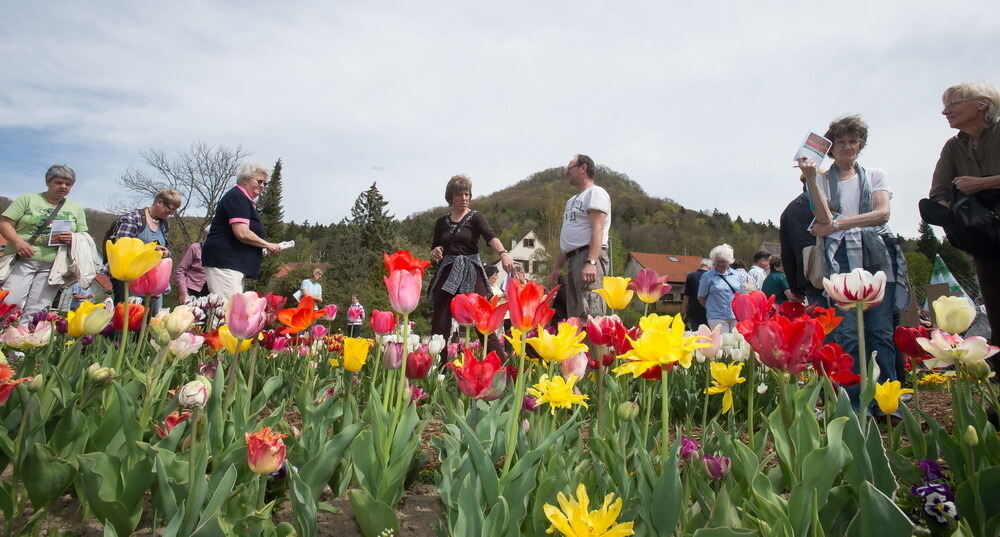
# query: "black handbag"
{"type": "Point", "coordinates": [973, 227]}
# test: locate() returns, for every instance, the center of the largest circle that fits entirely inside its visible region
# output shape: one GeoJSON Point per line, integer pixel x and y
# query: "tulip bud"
{"type": "Point", "coordinates": [195, 393]}
{"type": "Point", "coordinates": [529, 403]}
{"type": "Point", "coordinates": [99, 374]}
{"type": "Point", "coordinates": [159, 333]}
{"type": "Point", "coordinates": [761, 388]}
{"type": "Point", "coordinates": [978, 370]}
{"type": "Point", "coordinates": [62, 326]}
{"type": "Point", "coordinates": [36, 383]}
{"type": "Point", "coordinates": [971, 437]}
{"type": "Point", "coordinates": [628, 410]}
{"type": "Point", "coordinates": [525, 426]}
{"type": "Point", "coordinates": [392, 356]}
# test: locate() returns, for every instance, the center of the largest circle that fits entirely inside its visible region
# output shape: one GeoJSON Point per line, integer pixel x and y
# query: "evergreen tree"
{"type": "Point", "coordinates": [372, 222]}
{"type": "Point", "coordinates": [271, 213]}
{"type": "Point", "coordinates": [927, 244]}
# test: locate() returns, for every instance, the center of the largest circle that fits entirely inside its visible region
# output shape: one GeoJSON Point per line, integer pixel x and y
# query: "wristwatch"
{"type": "Point", "coordinates": [592, 262]}
{"type": "Point", "coordinates": [835, 224]}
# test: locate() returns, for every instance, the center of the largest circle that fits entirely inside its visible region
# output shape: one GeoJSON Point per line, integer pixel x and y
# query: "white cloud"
{"type": "Point", "coordinates": [704, 104]}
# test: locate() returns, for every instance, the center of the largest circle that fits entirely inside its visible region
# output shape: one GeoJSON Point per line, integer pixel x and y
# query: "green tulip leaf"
{"type": "Point", "coordinates": [50, 475]}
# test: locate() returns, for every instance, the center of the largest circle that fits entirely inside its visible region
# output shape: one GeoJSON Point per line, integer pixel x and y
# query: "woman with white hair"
{"type": "Point", "coordinates": [235, 244]}
{"type": "Point", "coordinates": [28, 225]}
{"type": "Point", "coordinates": [970, 164]}
{"type": "Point", "coordinates": [718, 286]}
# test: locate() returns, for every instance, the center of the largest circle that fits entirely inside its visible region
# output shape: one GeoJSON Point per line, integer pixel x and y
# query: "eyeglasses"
{"type": "Point", "coordinates": [261, 182]}
{"type": "Point", "coordinates": [954, 102]}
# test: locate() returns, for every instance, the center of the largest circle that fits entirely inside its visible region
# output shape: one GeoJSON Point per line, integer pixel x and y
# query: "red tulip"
{"type": "Point", "coordinates": [831, 360]}
{"type": "Point", "coordinates": [404, 289]}
{"type": "Point", "coordinates": [905, 339]}
{"type": "Point", "coordinates": [403, 260]}
{"type": "Point", "coordinates": [417, 365]}
{"type": "Point", "coordinates": [172, 420]}
{"type": "Point", "coordinates": [383, 322]}
{"type": "Point", "coordinates": [155, 281]}
{"type": "Point", "coordinates": [601, 329]}
{"type": "Point", "coordinates": [530, 307]}
{"type": "Point", "coordinates": [135, 315]}
{"type": "Point", "coordinates": [463, 308]}
{"type": "Point", "coordinates": [299, 318]}
{"type": "Point", "coordinates": [265, 451]}
{"type": "Point", "coordinates": [754, 306]}
{"type": "Point", "coordinates": [7, 384]}
{"type": "Point", "coordinates": [484, 380]}
{"type": "Point", "coordinates": [786, 345]}
{"type": "Point", "coordinates": [649, 286]}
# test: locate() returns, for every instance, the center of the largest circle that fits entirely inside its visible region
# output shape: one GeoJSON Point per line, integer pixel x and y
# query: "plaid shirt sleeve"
{"type": "Point", "coordinates": [129, 225]}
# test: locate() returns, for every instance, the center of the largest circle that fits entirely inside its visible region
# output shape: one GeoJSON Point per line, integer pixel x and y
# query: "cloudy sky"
{"type": "Point", "coordinates": [701, 102]}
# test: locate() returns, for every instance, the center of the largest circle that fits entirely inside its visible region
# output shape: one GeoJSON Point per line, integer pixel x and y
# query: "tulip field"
{"type": "Point", "coordinates": [242, 416]}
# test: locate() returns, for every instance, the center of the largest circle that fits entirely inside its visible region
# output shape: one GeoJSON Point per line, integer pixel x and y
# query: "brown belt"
{"type": "Point", "coordinates": [582, 249]}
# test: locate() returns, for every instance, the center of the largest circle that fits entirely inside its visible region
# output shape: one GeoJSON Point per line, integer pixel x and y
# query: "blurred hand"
{"type": "Point", "coordinates": [507, 262]}
{"type": "Point", "coordinates": [968, 185]}
{"type": "Point", "coordinates": [273, 248]}
{"type": "Point", "coordinates": [822, 230]}
{"type": "Point", "coordinates": [589, 273]}
{"type": "Point", "coordinates": [65, 238]}
{"type": "Point", "coordinates": [437, 254]}
{"type": "Point", "coordinates": [24, 249]}
{"type": "Point", "coordinates": [808, 168]}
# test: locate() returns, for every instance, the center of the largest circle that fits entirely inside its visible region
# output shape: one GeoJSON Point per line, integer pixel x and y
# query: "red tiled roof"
{"type": "Point", "coordinates": [283, 270]}
{"type": "Point", "coordinates": [676, 267]}
{"type": "Point", "coordinates": [104, 282]}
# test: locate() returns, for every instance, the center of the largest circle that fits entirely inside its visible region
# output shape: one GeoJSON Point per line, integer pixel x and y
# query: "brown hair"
{"type": "Point", "coordinates": [170, 197]}
{"type": "Point", "coordinates": [457, 185]}
{"type": "Point", "coordinates": [584, 159]}
{"type": "Point", "coordinates": [774, 261]}
{"type": "Point", "coordinates": [846, 126]}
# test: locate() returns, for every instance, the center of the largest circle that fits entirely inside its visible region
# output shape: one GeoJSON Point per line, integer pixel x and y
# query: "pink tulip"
{"type": "Point", "coordinates": [575, 365]}
{"type": "Point", "coordinates": [383, 322]}
{"type": "Point", "coordinates": [404, 289]}
{"type": "Point", "coordinates": [318, 331]}
{"type": "Point", "coordinates": [649, 285]}
{"type": "Point", "coordinates": [713, 336]}
{"type": "Point", "coordinates": [463, 308]}
{"type": "Point", "coordinates": [246, 314]}
{"type": "Point", "coordinates": [155, 281]}
{"type": "Point", "coordinates": [329, 312]}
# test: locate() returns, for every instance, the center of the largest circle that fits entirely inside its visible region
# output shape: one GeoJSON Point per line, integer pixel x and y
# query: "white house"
{"type": "Point", "coordinates": [527, 251]}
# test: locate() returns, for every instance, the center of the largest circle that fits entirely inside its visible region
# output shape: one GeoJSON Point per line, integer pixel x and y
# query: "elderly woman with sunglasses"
{"type": "Point", "coordinates": [27, 225]}
{"type": "Point", "coordinates": [235, 244]}
{"type": "Point", "coordinates": [970, 163]}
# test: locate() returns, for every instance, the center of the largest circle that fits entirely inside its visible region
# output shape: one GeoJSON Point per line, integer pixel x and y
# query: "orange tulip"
{"type": "Point", "coordinates": [300, 318]}
{"type": "Point", "coordinates": [7, 382]}
{"type": "Point", "coordinates": [135, 314]}
{"type": "Point", "coordinates": [265, 451]}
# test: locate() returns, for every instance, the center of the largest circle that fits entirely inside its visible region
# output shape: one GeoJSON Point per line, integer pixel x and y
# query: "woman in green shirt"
{"type": "Point", "coordinates": [27, 217]}
{"type": "Point", "coordinates": [776, 282]}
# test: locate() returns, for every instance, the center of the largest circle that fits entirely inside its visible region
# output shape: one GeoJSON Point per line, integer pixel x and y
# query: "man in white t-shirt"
{"type": "Point", "coordinates": [583, 241]}
{"type": "Point", "coordinates": [758, 272]}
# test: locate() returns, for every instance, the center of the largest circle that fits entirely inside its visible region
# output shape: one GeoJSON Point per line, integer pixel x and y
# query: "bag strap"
{"type": "Point", "coordinates": [48, 220]}
{"type": "Point", "coordinates": [723, 278]}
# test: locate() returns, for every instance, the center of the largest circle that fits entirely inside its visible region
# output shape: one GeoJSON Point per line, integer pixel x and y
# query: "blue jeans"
{"type": "Point", "coordinates": [878, 335]}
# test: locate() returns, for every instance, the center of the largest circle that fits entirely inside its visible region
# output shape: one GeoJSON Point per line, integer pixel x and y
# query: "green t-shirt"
{"type": "Point", "coordinates": [775, 284]}
{"type": "Point", "coordinates": [28, 212]}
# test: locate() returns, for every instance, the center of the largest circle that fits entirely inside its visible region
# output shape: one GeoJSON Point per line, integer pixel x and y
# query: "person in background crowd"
{"type": "Point", "coordinates": [583, 241]}
{"type": "Point", "coordinates": [776, 283]}
{"type": "Point", "coordinates": [970, 162]}
{"type": "Point", "coordinates": [312, 287]}
{"type": "Point", "coordinates": [27, 225]}
{"type": "Point", "coordinates": [79, 294]}
{"type": "Point", "coordinates": [740, 268]}
{"type": "Point", "coordinates": [355, 317]}
{"type": "Point", "coordinates": [235, 244]}
{"type": "Point", "coordinates": [694, 311]}
{"type": "Point", "coordinates": [148, 224]}
{"type": "Point", "coordinates": [717, 288]}
{"type": "Point", "coordinates": [455, 248]}
{"type": "Point", "coordinates": [190, 274]}
{"type": "Point", "coordinates": [493, 279]}
{"type": "Point", "coordinates": [758, 272]}
{"type": "Point", "coordinates": [851, 204]}
{"type": "Point", "coordinates": [794, 235]}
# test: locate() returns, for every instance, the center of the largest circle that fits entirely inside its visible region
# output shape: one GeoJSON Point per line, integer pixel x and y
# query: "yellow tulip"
{"type": "Point", "coordinates": [574, 518]}
{"type": "Point", "coordinates": [355, 353]}
{"type": "Point", "coordinates": [229, 341]}
{"type": "Point", "coordinates": [557, 392]}
{"type": "Point", "coordinates": [953, 314]}
{"type": "Point", "coordinates": [568, 341]}
{"type": "Point", "coordinates": [662, 342]}
{"type": "Point", "coordinates": [516, 339]}
{"type": "Point", "coordinates": [89, 318]}
{"type": "Point", "coordinates": [615, 292]}
{"type": "Point", "coordinates": [129, 258]}
{"type": "Point", "coordinates": [887, 395]}
{"type": "Point", "coordinates": [724, 377]}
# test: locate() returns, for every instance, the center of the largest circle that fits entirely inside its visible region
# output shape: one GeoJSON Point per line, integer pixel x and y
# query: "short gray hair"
{"type": "Point", "coordinates": [723, 252]}
{"type": "Point", "coordinates": [979, 90]}
{"type": "Point", "coordinates": [60, 170]}
{"type": "Point", "coordinates": [705, 262]}
{"type": "Point", "coordinates": [250, 171]}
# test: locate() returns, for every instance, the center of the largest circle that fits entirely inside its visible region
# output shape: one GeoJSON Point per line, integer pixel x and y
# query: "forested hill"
{"type": "Point", "coordinates": [639, 222]}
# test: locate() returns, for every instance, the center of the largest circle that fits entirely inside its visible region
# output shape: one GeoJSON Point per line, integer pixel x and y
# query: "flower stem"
{"type": "Point", "coordinates": [664, 413]}
{"type": "Point", "coordinates": [124, 341]}
{"type": "Point", "coordinates": [512, 426]}
{"type": "Point", "coordinates": [863, 356]}
{"type": "Point", "coordinates": [751, 392]}
{"type": "Point", "coordinates": [234, 367]}
{"type": "Point", "coordinates": [704, 406]}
